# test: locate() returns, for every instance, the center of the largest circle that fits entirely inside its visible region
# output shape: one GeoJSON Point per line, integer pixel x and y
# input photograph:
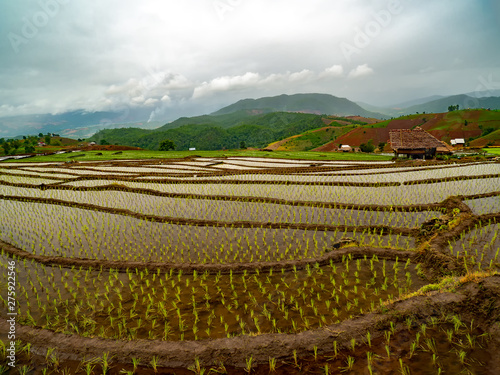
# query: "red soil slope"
{"type": "Point", "coordinates": [443, 126]}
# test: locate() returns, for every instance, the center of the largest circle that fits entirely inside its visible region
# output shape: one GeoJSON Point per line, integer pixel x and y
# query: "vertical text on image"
{"type": "Point", "coordinates": [11, 313]}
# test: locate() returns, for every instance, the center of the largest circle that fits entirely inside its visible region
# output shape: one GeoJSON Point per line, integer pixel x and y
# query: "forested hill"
{"type": "Point", "coordinates": [305, 103]}
{"type": "Point", "coordinates": [216, 132]}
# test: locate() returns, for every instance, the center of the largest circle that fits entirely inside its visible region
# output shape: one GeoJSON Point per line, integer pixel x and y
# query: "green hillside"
{"type": "Point", "coordinates": [302, 132]}
{"type": "Point", "coordinates": [436, 104]}
{"type": "Point", "coordinates": [216, 132]}
{"type": "Point", "coordinates": [223, 121]}
{"type": "Point", "coordinates": [477, 127]}
{"type": "Point", "coordinates": [464, 101]}
{"type": "Point", "coordinates": [315, 138]}
{"type": "Point", "coordinates": [307, 103]}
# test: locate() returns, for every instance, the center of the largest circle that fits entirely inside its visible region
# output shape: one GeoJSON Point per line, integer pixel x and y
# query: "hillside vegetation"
{"type": "Point", "coordinates": [437, 104]}
{"type": "Point", "coordinates": [285, 131]}
{"type": "Point", "coordinates": [315, 138]}
{"type": "Point", "coordinates": [478, 127]}
{"type": "Point", "coordinates": [216, 132]}
{"type": "Point", "coordinates": [307, 103]}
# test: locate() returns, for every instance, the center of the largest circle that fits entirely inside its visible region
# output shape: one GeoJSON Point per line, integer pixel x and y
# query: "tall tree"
{"type": "Point", "coordinates": [166, 145]}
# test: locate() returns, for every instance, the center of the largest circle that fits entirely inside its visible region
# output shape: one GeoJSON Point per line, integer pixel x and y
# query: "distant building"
{"type": "Point", "coordinates": [92, 144]}
{"type": "Point", "coordinates": [458, 142]}
{"type": "Point", "coordinates": [416, 143]}
{"type": "Point", "coordinates": [41, 144]}
{"type": "Point", "coordinates": [192, 148]}
{"type": "Point", "coordinates": [345, 148]}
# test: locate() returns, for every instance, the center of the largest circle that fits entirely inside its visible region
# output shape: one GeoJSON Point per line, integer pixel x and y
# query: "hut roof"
{"type": "Point", "coordinates": [444, 148]}
{"type": "Point", "coordinates": [416, 138]}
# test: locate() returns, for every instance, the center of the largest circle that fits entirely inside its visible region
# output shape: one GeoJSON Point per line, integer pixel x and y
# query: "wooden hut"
{"type": "Point", "coordinates": [416, 143]}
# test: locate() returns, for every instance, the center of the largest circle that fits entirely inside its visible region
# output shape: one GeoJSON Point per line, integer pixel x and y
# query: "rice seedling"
{"type": "Point", "coordinates": [196, 367]}
{"type": "Point", "coordinates": [349, 364]}
{"type": "Point", "coordinates": [248, 367]}
{"type": "Point", "coordinates": [24, 369]}
{"type": "Point", "coordinates": [272, 365]}
{"type": "Point", "coordinates": [105, 362]}
{"type": "Point", "coordinates": [152, 215]}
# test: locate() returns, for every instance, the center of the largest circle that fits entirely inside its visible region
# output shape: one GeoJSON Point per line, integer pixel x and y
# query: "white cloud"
{"type": "Point", "coordinates": [360, 71]}
{"type": "Point", "coordinates": [138, 100]}
{"type": "Point", "coordinates": [303, 75]}
{"type": "Point", "coordinates": [121, 53]}
{"type": "Point", "coordinates": [251, 80]}
{"type": "Point", "coordinates": [150, 102]}
{"type": "Point", "coordinates": [226, 83]}
{"type": "Point", "coordinates": [333, 71]}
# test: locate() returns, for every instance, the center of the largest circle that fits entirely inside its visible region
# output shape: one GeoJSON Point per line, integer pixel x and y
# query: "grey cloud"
{"type": "Point", "coordinates": [178, 58]}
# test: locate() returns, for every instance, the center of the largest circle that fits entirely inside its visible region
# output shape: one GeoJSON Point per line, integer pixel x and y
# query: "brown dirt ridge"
{"type": "Point", "coordinates": [467, 299]}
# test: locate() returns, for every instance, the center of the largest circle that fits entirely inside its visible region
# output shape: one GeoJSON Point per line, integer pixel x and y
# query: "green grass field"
{"type": "Point", "coordinates": [492, 151]}
{"type": "Point", "coordinates": [143, 154]}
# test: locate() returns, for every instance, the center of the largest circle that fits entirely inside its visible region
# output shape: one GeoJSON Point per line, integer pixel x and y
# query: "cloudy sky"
{"type": "Point", "coordinates": [192, 57]}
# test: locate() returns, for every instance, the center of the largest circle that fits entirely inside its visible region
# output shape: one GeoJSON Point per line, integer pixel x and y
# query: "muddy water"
{"type": "Point", "coordinates": [387, 195]}
{"type": "Point", "coordinates": [77, 233]}
{"type": "Point", "coordinates": [439, 347]}
{"type": "Point", "coordinates": [382, 175]}
{"type": "Point", "coordinates": [480, 247]}
{"type": "Point", "coordinates": [27, 180]}
{"type": "Point", "coordinates": [483, 206]}
{"type": "Point", "coordinates": [228, 211]}
{"type": "Point", "coordinates": [175, 306]}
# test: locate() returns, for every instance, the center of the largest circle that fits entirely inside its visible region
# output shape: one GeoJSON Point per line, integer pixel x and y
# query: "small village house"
{"type": "Point", "coordinates": [458, 142]}
{"type": "Point", "coordinates": [345, 148]}
{"type": "Point", "coordinates": [416, 143]}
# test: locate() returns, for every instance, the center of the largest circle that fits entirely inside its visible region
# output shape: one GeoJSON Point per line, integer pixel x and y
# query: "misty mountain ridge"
{"type": "Point", "coordinates": [438, 105]}
{"type": "Point", "coordinates": [305, 103]}
{"type": "Point", "coordinates": [83, 124]}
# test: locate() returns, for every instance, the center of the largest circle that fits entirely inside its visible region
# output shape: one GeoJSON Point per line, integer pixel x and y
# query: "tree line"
{"type": "Point", "coordinates": [27, 143]}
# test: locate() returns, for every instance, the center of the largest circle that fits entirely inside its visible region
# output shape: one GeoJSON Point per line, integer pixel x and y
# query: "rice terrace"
{"type": "Point", "coordinates": [251, 265]}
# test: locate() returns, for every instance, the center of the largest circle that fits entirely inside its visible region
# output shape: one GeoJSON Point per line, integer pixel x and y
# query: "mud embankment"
{"type": "Point", "coordinates": [473, 300]}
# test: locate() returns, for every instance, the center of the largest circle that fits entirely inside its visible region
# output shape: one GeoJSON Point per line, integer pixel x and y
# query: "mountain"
{"type": "Point", "coordinates": [211, 132]}
{"type": "Point", "coordinates": [248, 115]}
{"type": "Point", "coordinates": [305, 103]}
{"type": "Point", "coordinates": [75, 124]}
{"type": "Point", "coordinates": [414, 102]}
{"type": "Point", "coordinates": [438, 104]}
{"type": "Point", "coordinates": [484, 94]}
{"type": "Point", "coordinates": [464, 101]}
{"type": "Point", "coordinates": [387, 112]}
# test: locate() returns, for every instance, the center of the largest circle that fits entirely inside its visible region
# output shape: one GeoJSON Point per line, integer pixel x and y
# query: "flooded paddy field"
{"type": "Point", "coordinates": [247, 265]}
